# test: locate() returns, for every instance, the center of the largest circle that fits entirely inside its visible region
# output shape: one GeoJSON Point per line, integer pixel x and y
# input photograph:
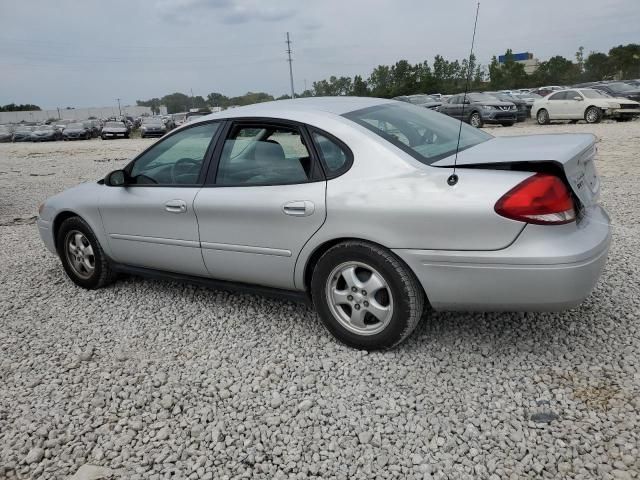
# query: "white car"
{"type": "Point", "coordinates": [583, 104]}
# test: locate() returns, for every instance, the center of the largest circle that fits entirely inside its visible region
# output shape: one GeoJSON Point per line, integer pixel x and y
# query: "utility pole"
{"type": "Point", "coordinates": [293, 93]}
{"type": "Point", "coordinates": [119, 109]}
{"type": "Point", "coordinates": [59, 117]}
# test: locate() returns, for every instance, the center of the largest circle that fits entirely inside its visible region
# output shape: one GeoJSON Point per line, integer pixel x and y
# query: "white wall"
{"type": "Point", "coordinates": [76, 113]}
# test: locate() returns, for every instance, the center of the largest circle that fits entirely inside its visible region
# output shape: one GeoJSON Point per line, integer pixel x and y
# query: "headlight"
{"type": "Point", "coordinates": [513, 107]}
{"type": "Point", "coordinates": [487, 107]}
{"type": "Point", "coordinates": [615, 105]}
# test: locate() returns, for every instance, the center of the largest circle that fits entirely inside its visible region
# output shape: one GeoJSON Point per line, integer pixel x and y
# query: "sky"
{"type": "Point", "coordinates": [84, 53]}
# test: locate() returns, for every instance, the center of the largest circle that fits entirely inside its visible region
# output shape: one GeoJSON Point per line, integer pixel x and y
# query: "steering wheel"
{"type": "Point", "coordinates": [180, 165]}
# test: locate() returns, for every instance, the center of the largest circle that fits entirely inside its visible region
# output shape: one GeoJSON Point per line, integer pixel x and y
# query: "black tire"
{"type": "Point", "coordinates": [102, 273]}
{"type": "Point", "coordinates": [126, 136]}
{"type": "Point", "coordinates": [593, 115]}
{"type": "Point", "coordinates": [406, 294]}
{"type": "Point", "coordinates": [475, 120]}
{"type": "Point", "coordinates": [542, 117]}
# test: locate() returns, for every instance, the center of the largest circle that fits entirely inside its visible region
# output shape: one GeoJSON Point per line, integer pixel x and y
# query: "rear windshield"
{"type": "Point", "coordinates": [114, 125]}
{"type": "Point", "coordinates": [426, 135]}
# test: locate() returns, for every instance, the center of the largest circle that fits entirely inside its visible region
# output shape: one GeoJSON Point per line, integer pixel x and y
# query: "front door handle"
{"type": "Point", "coordinates": [300, 208]}
{"type": "Point", "coordinates": [176, 206]}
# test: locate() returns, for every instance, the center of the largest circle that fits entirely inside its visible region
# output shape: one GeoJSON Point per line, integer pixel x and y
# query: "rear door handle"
{"type": "Point", "coordinates": [176, 206]}
{"type": "Point", "coordinates": [300, 208]}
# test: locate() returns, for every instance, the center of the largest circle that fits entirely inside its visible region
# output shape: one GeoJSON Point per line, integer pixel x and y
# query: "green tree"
{"type": "Point", "coordinates": [381, 82]}
{"type": "Point", "coordinates": [625, 59]}
{"type": "Point", "coordinates": [557, 71]}
{"type": "Point", "coordinates": [359, 87]}
{"type": "Point", "coordinates": [598, 67]}
{"type": "Point", "coordinates": [12, 107]}
{"type": "Point", "coordinates": [153, 104]}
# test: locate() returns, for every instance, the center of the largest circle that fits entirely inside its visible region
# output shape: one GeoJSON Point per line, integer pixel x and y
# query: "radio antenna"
{"type": "Point", "coordinates": [453, 178]}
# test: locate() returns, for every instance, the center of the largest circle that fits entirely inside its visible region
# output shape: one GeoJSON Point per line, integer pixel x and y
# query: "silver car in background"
{"type": "Point", "coordinates": [352, 204]}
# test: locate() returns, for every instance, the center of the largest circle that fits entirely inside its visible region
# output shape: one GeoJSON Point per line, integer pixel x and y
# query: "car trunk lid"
{"type": "Point", "coordinates": [573, 153]}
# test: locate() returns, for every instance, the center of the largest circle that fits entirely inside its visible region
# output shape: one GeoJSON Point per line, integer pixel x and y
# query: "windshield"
{"type": "Point", "coordinates": [75, 125]}
{"type": "Point", "coordinates": [426, 135]}
{"type": "Point", "coordinates": [481, 97]}
{"type": "Point", "coordinates": [152, 120]}
{"type": "Point", "coordinates": [590, 93]}
{"type": "Point", "coordinates": [620, 87]}
{"type": "Point", "coordinates": [43, 128]}
{"type": "Point", "coordinates": [115, 125]}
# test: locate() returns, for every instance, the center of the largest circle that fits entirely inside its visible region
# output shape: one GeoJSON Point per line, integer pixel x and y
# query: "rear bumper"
{"type": "Point", "coordinates": [547, 268]}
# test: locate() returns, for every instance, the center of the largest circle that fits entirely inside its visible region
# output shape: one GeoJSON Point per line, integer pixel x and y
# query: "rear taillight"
{"type": "Point", "coordinates": [542, 199]}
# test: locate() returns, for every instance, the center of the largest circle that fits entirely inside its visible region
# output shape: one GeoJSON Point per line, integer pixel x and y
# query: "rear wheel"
{"type": "Point", "coordinates": [542, 117]}
{"type": "Point", "coordinates": [475, 120]}
{"type": "Point", "coordinates": [365, 296]}
{"type": "Point", "coordinates": [593, 115]}
{"type": "Point", "coordinates": [82, 256]}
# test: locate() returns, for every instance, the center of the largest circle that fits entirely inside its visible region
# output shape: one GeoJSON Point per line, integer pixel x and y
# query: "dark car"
{"type": "Point", "coordinates": [114, 130]}
{"type": "Point", "coordinates": [152, 127]}
{"type": "Point", "coordinates": [619, 89]}
{"type": "Point", "coordinates": [524, 109]}
{"type": "Point", "coordinates": [480, 108]}
{"type": "Point", "coordinates": [45, 133]}
{"type": "Point", "coordinates": [6, 133]}
{"type": "Point", "coordinates": [22, 133]}
{"type": "Point", "coordinates": [76, 131]}
{"type": "Point", "coordinates": [420, 100]}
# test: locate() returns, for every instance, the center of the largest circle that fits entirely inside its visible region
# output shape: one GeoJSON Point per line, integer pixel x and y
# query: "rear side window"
{"type": "Point", "coordinates": [264, 155]}
{"type": "Point", "coordinates": [558, 96]}
{"type": "Point", "coordinates": [335, 157]}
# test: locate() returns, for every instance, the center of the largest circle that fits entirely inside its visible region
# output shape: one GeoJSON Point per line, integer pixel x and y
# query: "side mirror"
{"type": "Point", "coordinates": [579, 99]}
{"type": "Point", "coordinates": [117, 178]}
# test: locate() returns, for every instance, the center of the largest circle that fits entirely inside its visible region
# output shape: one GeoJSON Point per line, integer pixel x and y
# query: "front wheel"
{"type": "Point", "coordinates": [82, 257]}
{"type": "Point", "coordinates": [365, 296]}
{"type": "Point", "coordinates": [475, 120]}
{"type": "Point", "coordinates": [593, 115]}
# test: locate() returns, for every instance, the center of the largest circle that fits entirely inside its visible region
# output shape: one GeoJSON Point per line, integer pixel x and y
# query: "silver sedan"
{"type": "Point", "coordinates": [352, 204]}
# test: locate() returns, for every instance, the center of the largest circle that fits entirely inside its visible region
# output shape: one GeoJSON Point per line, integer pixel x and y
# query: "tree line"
{"type": "Point", "coordinates": [12, 107]}
{"type": "Point", "coordinates": [439, 76]}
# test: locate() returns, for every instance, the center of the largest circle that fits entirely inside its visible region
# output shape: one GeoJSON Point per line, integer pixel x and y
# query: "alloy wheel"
{"type": "Point", "coordinates": [359, 298]}
{"type": "Point", "coordinates": [79, 253]}
{"type": "Point", "coordinates": [475, 120]}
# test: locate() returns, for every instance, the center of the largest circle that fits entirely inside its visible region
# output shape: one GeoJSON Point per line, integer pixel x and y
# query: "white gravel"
{"type": "Point", "coordinates": [161, 380]}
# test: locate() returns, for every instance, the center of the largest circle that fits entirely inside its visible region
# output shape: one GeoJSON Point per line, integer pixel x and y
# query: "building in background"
{"type": "Point", "coordinates": [77, 113]}
{"type": "Point", "coordinates": [525, 58]}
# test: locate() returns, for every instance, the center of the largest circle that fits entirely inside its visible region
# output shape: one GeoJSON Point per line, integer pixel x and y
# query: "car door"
{"type": "Point", "coordinates": [555, 106]}
{"type": "Point", "coordinates": [574, 105]}
{"type": "Point", "coordinates": [150, 221]}
{"type": "Point", "coordinates": [262, 203]}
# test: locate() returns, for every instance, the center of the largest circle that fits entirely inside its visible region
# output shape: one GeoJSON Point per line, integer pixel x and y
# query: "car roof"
{"type": "Point", "coordinates": [277, 108]}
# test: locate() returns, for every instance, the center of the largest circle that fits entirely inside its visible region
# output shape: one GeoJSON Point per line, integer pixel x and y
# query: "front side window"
{"type": "Point", "coordinates": [425, 135]}
{"type": "Point", "coordinates": [558, 96]}
{"type": "Point", "coordinates": [572, 95]}
{"type": "Point", "coordinates": [264, 155]}
{"type": "Point", "coordinates": [177, 160]}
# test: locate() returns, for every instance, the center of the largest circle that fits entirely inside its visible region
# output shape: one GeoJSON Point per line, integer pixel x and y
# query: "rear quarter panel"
{"type": "Point", "coordinates": [390, 198]}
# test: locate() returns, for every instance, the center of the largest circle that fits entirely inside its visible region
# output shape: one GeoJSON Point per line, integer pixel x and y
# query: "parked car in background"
{"type": "Point", "coordinates": [318, 200]}
{"type": "Point", "coordinates": [168, 122]}
{"type": "Point", "coordinates": [22, 133]}
{"type": "Point", "coordinates": [44, 133]}
{"type": "Point", "coordinates": [480, 108]}
{"type": "Point", "coordinates": [76, 131]}
{"type": "Point", "coordinates": [586, 104]}
{"type": "Point", "coordinates": [6, 133]}
{"type": "Point", "coordinates": [544, 91]}
{"type": "Point", "coordinates": [421, 100]}
{"type": "Point", "coordinates": [114, 130]}
{"type": "Point", "coordinates": [92, 126]}
{"type": "Point", "coordinates": [523, 108]}
{"type": "Point", "coordinates": [619, 89]}
{"type": "Point", "coordinates": [152, 127]}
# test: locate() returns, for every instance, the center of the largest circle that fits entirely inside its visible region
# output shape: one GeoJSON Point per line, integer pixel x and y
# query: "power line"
{"type": "Point", "coordinates": [293, 93]}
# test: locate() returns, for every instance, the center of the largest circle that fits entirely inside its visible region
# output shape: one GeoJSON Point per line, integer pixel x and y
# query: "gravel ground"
{"type": "Point", "coordinates": [160, 380]}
